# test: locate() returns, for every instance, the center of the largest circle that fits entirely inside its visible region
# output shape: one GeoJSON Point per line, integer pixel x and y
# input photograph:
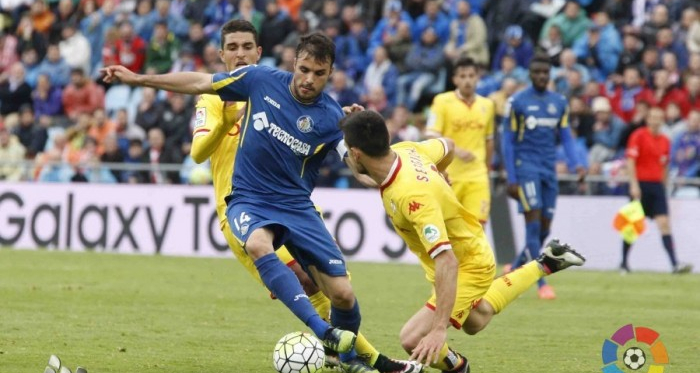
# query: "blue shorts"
{"type": "Point", "coordinates": [300, 229]}
{"type": "Point", "coordinates": [538, 193]}
{"type": "Point", "coordinates": [653, 200]}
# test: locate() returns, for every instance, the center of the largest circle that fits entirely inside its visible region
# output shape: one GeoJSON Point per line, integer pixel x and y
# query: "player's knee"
{"type": "Point", "coordinates": [409, 340]}
{"type": "Point", "coordinates": [472, 328]}
{"type": "Point", "coordinates": [342, 297]}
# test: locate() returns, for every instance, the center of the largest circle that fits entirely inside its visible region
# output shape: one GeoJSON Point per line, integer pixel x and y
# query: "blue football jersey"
{"type": "Point", "coordinates": [283, 141]}
{"type": "Point", "coordinates": [535, 120]}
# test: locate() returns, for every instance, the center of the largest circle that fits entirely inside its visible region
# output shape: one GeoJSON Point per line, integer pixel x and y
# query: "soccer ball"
{"type": "Point", "coordinates": [298, 352]}
{"type": "Point", "coordinates": [634, 358]}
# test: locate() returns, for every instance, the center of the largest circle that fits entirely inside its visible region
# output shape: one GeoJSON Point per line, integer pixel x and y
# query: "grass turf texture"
{"type": "Point", "coordinates": [118, 313]}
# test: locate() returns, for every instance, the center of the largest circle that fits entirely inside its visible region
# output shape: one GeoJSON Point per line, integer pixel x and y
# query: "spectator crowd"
{"type": "Point", "coordinates": [612, 59]}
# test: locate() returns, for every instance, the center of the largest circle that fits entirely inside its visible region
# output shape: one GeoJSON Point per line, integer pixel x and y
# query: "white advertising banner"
{"type": "Point", "coordinates": [180, 220]}
{"type": "Point", "coordinates": [587, 223]}
{"type": "Point", "coordinates": [171, 220]}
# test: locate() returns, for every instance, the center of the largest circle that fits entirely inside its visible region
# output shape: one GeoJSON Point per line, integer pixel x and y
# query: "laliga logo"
{"type": "Point", "coordinates": [634, 357]}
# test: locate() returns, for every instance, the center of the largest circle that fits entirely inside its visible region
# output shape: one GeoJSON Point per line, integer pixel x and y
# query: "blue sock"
{"type": "Point", "coordinates": [282, 282]}
{"type": "Point", "coordinates": [520, 259]}
{"type": "Point", "coordinates": [347, 320]}
{"type": "Point", "coordinates": [543, 236]}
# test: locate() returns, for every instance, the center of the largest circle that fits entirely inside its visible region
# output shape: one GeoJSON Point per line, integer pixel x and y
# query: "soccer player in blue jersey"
{"type": "Point", "coordinates": [290, 126]}
{"type": "Point", "coordinates": [536, 117]}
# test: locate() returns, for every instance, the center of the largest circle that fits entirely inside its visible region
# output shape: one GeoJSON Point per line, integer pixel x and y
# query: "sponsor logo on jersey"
{"type": "Point", "coordinates": [261, 123]}
{"type": "Point", "coordinates": [551, 109]}
{"type": "Point", "coordinates": [272, 102]}
{"type": "Point", "coordinates": [531, 122]}
{"type": "Point", "coordinates": [305, 123]}
{"type": "Point", "coordinates": [533, 108]}
{"type": "Point", "coordinates": [200, 117]}
{"type": "Point", "coordinates": [414, 206]}
{"type": "Point", "coordinates": [431, 233]}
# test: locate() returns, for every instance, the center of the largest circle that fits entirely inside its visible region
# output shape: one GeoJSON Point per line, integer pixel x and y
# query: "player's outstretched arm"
{"type": "Point", "coordinates": [449, 154]}
{"type": "Point", "coordinates": [191, 83]}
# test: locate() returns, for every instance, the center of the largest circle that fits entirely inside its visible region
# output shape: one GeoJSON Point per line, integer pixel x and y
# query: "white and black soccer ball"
{"type": "Point", "coordinates": [298, 352]}
{"type": "Point", "coordinates": [634, 358]}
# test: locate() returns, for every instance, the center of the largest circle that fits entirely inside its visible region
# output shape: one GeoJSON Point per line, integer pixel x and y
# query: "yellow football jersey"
{"type": "Point", "coordinates": [469, 126]}
{"type": "Point", "coordinates": [426, 213]}
{"type": "Point", "coordinates": [216, 136]}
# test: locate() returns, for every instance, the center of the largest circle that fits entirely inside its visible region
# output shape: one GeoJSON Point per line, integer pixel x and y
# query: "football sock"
{"type": "Point", "coordinates": [285, 286]}
{"type": "Point", "coordinates": [625, 252]}
{"type": "Point", "coordinates": [384, 364]}
{"type": "Point", "coordinates": [668, 245]}
{"type": "Point", "coordinates": [347, 320]}
{"type": "Point", "coordinates": [543, 236]}
{"type": "Point", "coordinates": [533, 230]}
{"type": "Point", "coordinates": [506, 288]}
{"type": "Point", "coordinates": [322, 305]}
{"type": "Point", "coordinates": [368, 352]}
{"type": "Point", "coordinates": [447, 359]}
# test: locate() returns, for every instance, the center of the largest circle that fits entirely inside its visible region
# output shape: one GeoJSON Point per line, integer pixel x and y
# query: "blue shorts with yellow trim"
{"type": "Point", "coordinates": [299, 228]}
{"type": "Point", "coordinates": [538, 192]}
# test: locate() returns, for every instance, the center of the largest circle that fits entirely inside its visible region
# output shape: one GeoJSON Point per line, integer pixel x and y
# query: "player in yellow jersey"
{"type": "Point", "coordinates": [467, 119]}
{"type": "Point", "coordinates": [216, 135]}
{"type": "Point", "coordinates": [449, 241]}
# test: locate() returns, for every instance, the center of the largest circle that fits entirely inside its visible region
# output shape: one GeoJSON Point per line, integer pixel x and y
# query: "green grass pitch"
{"type": "Point", "coordinates": [139, 314]}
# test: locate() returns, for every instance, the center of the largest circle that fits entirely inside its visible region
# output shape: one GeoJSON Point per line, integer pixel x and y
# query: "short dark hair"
{"type": "Point", "coordinates": [540, 57]}
{"type": "Point", "coordinates": [238, 25]}
{"type": "Point", "coordinates": [464, 62]}
{"type": "Point", "coordinates": [318, 46]}
{"type": "Point", "coordinates": [367, 131]}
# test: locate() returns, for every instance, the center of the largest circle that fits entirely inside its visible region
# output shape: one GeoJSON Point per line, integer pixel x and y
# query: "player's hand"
{"type": "Point", "coordinates": [513, 191]}
{"type": "Point", "coordinates": [119, 73]}
{"type": "Point", "coordinates": [428, 349]}
{"type": "Point", "coordinates": [635, 191]}
{"type": "Point", "coordinates": [241, 112]}
{"type": "Point", "coordinates": [347, 110]}
{"type": "Point", "coordinates": [464, 154]}
{"type": "Point", "coordinates": [445, 176]}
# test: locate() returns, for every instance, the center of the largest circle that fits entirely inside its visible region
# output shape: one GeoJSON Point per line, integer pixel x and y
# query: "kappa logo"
{"type": "Point", "coordinates": [413, 206]}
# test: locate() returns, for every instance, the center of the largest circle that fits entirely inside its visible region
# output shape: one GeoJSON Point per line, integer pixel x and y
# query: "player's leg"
{"type": "Point", "coordinates": [261, 236]}
{"type": "Point", "coordinates": [549, 188]}
{"type": "Point", "coordinates": [662, 220]}
{"type": "Point", "coordinates": [475, 197]}
{"type": "Point", "coordinates": [417, 327]}
{"type": "Point", "coordinates": [531, 206]}
{"type": "Point", "coordinates": [321, 304]}
{"type": "Point", "coordinates": [472, 283]}
{"type": "Point", "coordinates": [507, 288]}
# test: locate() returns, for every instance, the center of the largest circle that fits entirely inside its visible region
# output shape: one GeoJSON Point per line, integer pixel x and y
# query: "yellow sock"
{"type": "Point", "coordinates": [365, 349]}
{"type": "Point", "coordinates": [321, 304]}
{"type": "Point", "coordinates": [447, 360]}
{"type": "Point", "coordinates": [506, 288]}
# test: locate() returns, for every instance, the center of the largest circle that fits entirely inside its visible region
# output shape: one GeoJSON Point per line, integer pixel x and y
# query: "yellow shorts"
{"type": "Point", "coordinates": [473, 281]}
{"type": "Point", "coordinates": [245, 260]}
{"type": "Point", "coordinates": [475, 197]}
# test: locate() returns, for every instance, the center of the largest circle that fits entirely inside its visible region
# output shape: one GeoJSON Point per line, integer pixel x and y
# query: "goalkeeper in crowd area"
{"type": "Point", "coordinates": [216, 136]}
{"type": "Point", "coordinates": [448, 240]}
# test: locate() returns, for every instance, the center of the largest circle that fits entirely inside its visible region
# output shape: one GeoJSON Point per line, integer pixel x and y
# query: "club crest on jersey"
{"type": "Point", "coordinates": [431, 233]}
{"type": "Point", "coordinates": [305, 123]}
{"type": "Point", "coordinates": [551, 109]}
{"type": "Point", "coordinates": [200, 117]}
